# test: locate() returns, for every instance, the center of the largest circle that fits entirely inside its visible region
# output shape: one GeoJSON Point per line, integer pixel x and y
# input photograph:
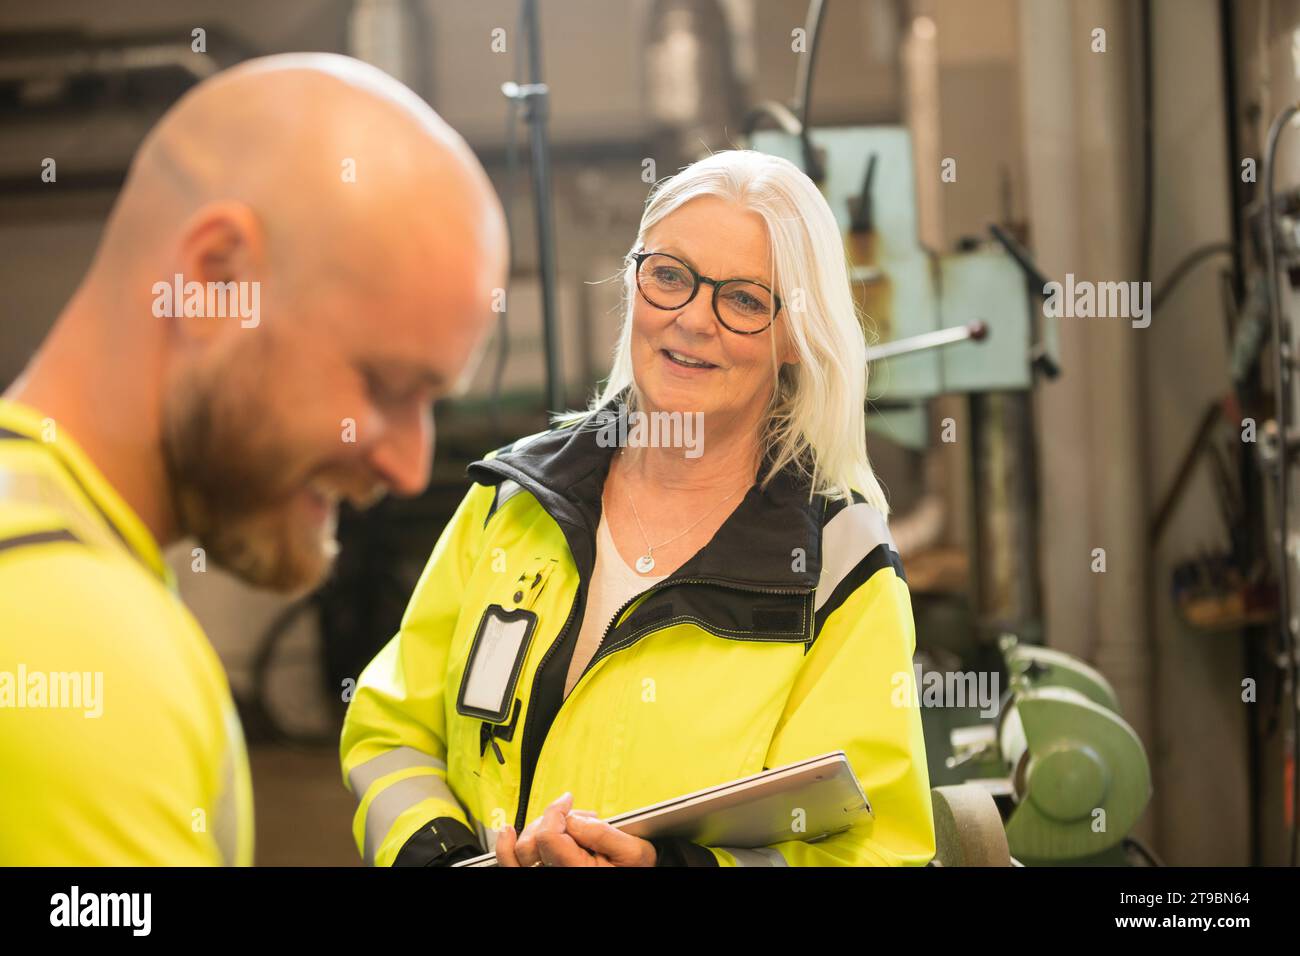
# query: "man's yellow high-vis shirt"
{"type": "Point", "coordinates": [119, 743]}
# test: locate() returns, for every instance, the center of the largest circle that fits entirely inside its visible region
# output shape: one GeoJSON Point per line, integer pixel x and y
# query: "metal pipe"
{"type": "Point", "coordinates": [970, 332]}
{"type": "Point", "coordinates": [1005, 495]}
{"type": "Point", "coordinates": [536, 107]}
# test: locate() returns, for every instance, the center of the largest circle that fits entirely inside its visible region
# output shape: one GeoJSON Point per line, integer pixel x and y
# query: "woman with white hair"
{"type": "Point", "coordinates": [691, 582]}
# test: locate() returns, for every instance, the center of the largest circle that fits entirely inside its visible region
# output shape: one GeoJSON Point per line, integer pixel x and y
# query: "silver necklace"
{"type": "Point", "coordinates": [646, 563]}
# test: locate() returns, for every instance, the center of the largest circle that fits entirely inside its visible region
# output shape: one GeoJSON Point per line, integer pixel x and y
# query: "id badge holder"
{"type": "Point", "coordinates": [496, 659]}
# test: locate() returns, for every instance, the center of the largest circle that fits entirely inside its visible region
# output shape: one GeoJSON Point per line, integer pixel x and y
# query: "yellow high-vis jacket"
{"type": "Point", "coordinates": [119, 741]}
{"type": "Point", "coordinates": [787, 636]}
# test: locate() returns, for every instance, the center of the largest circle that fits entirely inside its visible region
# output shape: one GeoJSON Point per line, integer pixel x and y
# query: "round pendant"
{"type": "Point", "coordinates": [645, 564]}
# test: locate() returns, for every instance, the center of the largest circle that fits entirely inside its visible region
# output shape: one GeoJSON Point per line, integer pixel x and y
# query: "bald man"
{"type": "Point", "coordinates": [302, 259]}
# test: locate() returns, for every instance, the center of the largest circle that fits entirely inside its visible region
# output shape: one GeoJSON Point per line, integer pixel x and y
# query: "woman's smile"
{"type": "Point", "coordinates": [687, 363]}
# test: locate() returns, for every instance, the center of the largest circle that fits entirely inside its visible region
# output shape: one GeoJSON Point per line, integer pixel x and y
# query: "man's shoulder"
{"type": "Point", "coordinates": [101, 662]}
{"type": "Point", "coordinates": [53, 564]}
{"type": "Point", "coordinates": [65, 599]}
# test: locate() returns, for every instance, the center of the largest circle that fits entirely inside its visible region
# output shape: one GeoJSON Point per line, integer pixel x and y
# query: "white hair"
{"type": "Point", "coordinates": [817, 416]}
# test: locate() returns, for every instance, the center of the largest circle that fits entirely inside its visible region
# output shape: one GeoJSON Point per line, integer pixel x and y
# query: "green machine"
{"type": "Point", "coordinates": [1069, 774]}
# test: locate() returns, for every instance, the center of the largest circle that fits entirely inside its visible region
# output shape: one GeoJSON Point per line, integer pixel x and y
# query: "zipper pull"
{"type": "Point", "coordinates": [496, 749]}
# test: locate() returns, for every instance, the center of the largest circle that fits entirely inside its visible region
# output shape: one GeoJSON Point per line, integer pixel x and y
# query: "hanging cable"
{"type": "Point", "coordinates": [1185, 266]}
{"type": "Point", "coordinates": [803, 89]}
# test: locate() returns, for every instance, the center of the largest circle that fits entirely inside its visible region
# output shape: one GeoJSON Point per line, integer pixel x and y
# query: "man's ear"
{"type": "Point", "coordinates": [224, 241]}
{"type": "Point", "coordinates": [221, 242]}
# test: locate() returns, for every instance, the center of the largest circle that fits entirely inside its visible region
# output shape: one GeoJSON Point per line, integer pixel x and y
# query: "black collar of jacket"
{"type": "Point", "coordinates": [565, 470]}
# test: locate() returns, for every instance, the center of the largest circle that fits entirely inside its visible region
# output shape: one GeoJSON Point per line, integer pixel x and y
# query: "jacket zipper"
{"type": "Point", "coordinates": [529, 766]}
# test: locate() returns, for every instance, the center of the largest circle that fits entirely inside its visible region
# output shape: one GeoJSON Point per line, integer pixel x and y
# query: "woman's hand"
{"type": "Point", "coordinates": [610, 846]}
{"type": "Point", "coordinates": [562, 836]}
{"type": "Point", "coordinates": [544, 842]}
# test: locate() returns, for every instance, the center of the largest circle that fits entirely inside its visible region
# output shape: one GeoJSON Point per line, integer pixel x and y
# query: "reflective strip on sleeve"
{"type": "Point", "coordinates": [225, 825]}
{"type": "Point", "coordinates": [232, 823]}
{"type": "Point", "coordinates": [763, 856]}
{"type": "Point", "coordinates": [847, 538]}
{"type": "Point", "coordinates": [363, 775]}
{"type": "Point", "coordinates": [505, 491]}
{"type": "Point", "coordinates": [485, 836]}
{"type": "Point", "coordinates": [394, 800]}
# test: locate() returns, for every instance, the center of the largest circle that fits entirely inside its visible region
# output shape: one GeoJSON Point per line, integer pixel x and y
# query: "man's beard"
{"type": "Point", "coordinates": [235, 489]}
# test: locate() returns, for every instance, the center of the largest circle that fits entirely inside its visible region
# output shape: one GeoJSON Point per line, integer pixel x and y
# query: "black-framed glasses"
{"type": "Point", "coordinates": [741, 305]}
